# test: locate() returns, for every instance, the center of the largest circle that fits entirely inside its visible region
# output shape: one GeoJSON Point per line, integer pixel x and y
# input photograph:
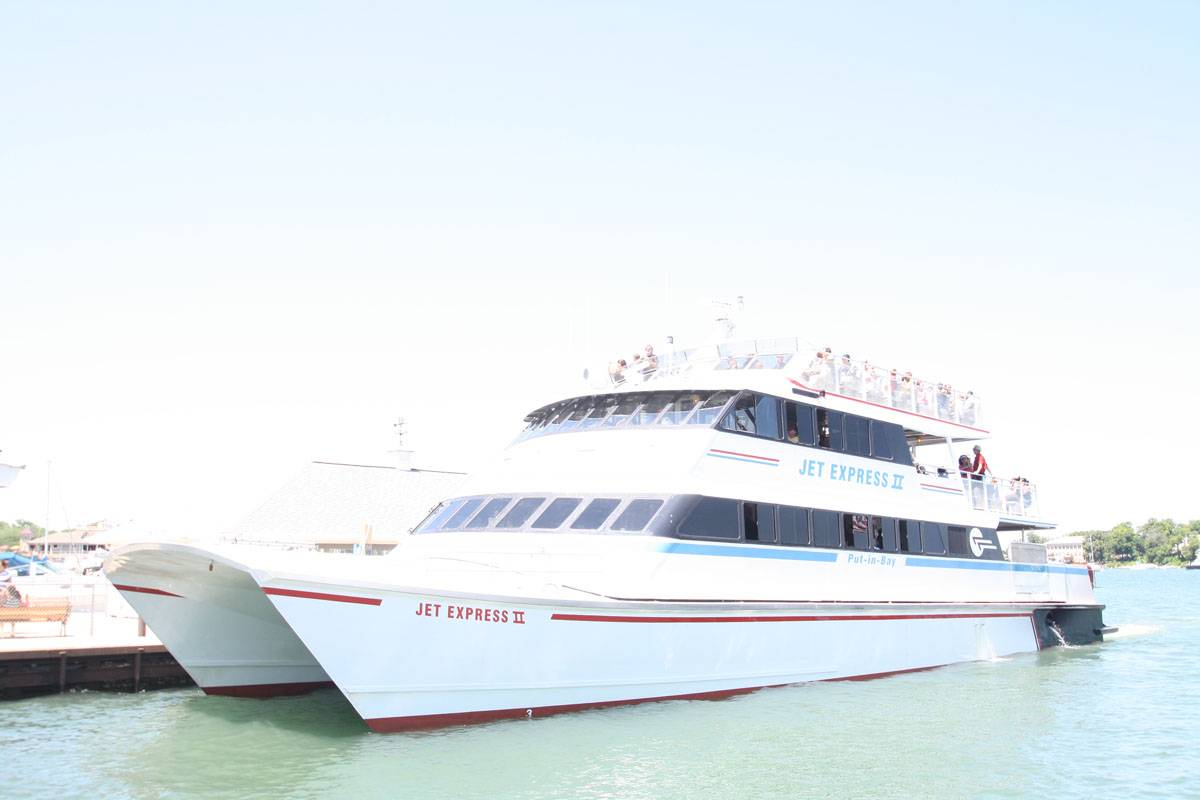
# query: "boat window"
{"type": "Point", "coordinates": [910, 536]}
{"type": "Point", "coordinates": [766, 413]}
{"type": "Point", "coordinates": [758, 522]}
{"type": "Point", "coordinates": [464, 511]}
{"type": "Point", "coordinates": [579, 410]}
{"type": "Point", "coordinates": [799, 426]}
{"type": "Point", "coordinates": [439, 515]}
{"type": "Point", "coordinates": [959, 545]}
{"type": "Point", "coordinates": [650, 410]}
{"type": "Point", "coordinates": [883, 534]}
{"type": "Point", "coordinates": [680, 407]}
{"type": "Point", "coordinates": [522, 511]}
{"type": "Point", "coordinates": [825, 529]}
{"type": "Point", "coordinates": [636, 515]}
{"type": "Point", "coordinates": [712, 518]}
{"type": "Point", "coordinates": [882, 439]}
{"type": "Point", "coordinates": [793, 525]}
{"type": "Point", "coordinates": [624, 409]}
{"type": "Point", "coordinates": [829, 429]}
{"type": "Point", "coordinates": [854, 530]}
{"type": "Point", "coordinates": [558, 510]}
{"type": "Point", "coordinates": [857, 435]}
{"type": "Point", "coordinates": [598, 412]}
{"type": "Point", "coordinates": [933, 537]}
{"type": "Point", "coordinates": [740, 418]}
{"type": "Point", "coordinates": [594, 514]}
{"type": "Point", "coordinates": [489, 512]}
{"type": "Point", "coordinates": [711, 409]}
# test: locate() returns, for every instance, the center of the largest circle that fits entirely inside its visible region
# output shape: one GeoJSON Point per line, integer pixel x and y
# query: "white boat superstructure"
{"type": "Point", "coordinates": [696, 528]}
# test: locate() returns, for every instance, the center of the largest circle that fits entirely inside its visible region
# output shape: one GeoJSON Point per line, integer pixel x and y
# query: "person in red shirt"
{"type": "Point", "coordinates": [980, 467]}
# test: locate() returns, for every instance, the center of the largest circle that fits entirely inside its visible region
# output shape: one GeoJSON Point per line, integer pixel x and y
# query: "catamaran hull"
{"type": "Point", "coordinates": [214, 619]}
{"type": "Point", "coordinates": [409, 661]}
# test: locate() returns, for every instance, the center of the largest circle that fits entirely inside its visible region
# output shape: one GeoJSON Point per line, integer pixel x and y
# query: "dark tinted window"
{"type": "Point", "coordinates": [854, 530]}
{"type": "Point", "coordinates": [959, 546]}
{"type": "Point", "coordinates": [522, 511]}
{"type": "Point", "coordinates": [740, 418]}
{"type": "Point", "coordinates": [882, 439]}
{"type": "Point", "coordinates": [595, 513]}
{"type": "Point", "coordinates": [679, 410]}
{"type": "Point", "coordinates": [598, 412]}
{"type": "Point", "coordinates": [711, 408]}
{"type": "Point", "coordinates": [712, 518]}
{"type": "Point", "coordinates": [799, 425]}
{"type": "Point", "coordinates": [489, 512]}
{"type": "Point", "coordinates": [636, 515]}
{"type": "Point", "coordinates": [766, 412]}
{"type": "Point", "coordinates": [649, 410]}
{"type": "Point", "coordinates": [556, 512]}
{"type": "Point", "coordinates": [910, 536]}
{"type": "Point", "coordinates": [793, 525]}
{"type": "Point", "coordinates": [758, 522]}
{"type": "Point", "coordinates": [464, 511]}
{"type": "Point", "coordinates": [624, 408]}
{"type": "Point", "coordinates": [858, 435]}
{"type": "Point", "coordinates": [883, 534]}
{"type": "Point", "coordinates": [826, 532]}
{"type": "Point", "coordinates": [829, 429]}
{"type": "Point", "coordinates": [933, 537]}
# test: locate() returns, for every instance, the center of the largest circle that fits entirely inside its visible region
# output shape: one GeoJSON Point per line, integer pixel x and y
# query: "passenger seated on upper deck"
{"type": "Point", "coordinates": [847, 375]}
{"type": "Point", "coordinates": [651, 360]}
{"type": "Point", "coordinates": [617, 373]}
{"type": "Point", "coordinates": [817, 370]}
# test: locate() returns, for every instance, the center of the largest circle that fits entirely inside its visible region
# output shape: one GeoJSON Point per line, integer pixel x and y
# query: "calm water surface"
{"type": "Point", "coordinates": [1119, 720]}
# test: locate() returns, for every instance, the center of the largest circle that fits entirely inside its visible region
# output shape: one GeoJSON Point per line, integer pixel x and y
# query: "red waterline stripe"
{"type": "Point", "coordinates": [337, 598]}
{"type": "Point", "coordinates": [744, 455]}
{"type": "Point", "coordinates": [886, 407]}
{"type": "Point", "coordinates": [431, 721]}
{"type": "Point", "coordinates": [266, 689]}
{"type": "Point", "coordinates": [823, 618]}
{"type": "Point", "coordinates": [144, 590]}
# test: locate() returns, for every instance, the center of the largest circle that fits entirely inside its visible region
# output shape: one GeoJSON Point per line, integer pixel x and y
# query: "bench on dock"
{"type": "Point", "coordinates": [38, 611]}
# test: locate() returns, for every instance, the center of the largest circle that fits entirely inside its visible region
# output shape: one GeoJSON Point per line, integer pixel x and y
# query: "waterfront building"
{"type": "Point", "coordinates": [1066, 550]}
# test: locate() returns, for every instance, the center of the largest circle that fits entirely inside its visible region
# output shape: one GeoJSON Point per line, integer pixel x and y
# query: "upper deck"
{"type": "Point", "coordinates": [927, 406]}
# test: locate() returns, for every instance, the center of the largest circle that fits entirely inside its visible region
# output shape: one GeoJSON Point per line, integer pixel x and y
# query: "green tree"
{"type": "Point", "coordinates": [10, 532]}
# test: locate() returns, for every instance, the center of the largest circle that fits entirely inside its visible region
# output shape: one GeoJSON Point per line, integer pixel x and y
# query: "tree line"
{"type": "Point", "coordinates": [10, 532]}
{"type": "Point", "coordinates": [1158, 541]}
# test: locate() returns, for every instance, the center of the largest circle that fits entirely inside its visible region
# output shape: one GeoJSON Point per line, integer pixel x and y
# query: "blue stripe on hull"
{"type": "Point", "coordinates": [687, 548]}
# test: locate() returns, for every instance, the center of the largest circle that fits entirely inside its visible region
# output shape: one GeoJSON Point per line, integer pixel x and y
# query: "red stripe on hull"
{"type": "Point", "coordinates": [144, 590]}
{"type": "Point", "coordinates": [336, 598]}
{"type": "Point", "coordinates": [267, 689]}
{"type": "Point", "coordinates": [433, 721]}
{"type": "Point", "coordinates": [830, 618]}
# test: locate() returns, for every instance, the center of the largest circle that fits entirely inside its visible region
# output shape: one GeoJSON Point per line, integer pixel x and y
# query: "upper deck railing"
{"type": "Point", "coordinates": [819, 370]}
{"type": "Point", "coordinates": [1013, 497]}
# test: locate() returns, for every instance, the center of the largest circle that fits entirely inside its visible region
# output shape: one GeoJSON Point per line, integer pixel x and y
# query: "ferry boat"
{"type": "Point", "coordinates": [705, 523]}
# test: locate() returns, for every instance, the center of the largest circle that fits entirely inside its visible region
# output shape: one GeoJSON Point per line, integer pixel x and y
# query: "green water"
{"type": "Point", "coordinates": [1119, 720]}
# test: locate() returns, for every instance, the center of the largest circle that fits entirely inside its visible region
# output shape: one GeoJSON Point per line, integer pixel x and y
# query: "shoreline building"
{"type": "Point", "coordinates": [1066, 550]}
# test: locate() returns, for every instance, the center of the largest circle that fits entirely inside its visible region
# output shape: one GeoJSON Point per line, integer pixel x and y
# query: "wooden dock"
{"type": "Point", "coordinates": [126, 667]}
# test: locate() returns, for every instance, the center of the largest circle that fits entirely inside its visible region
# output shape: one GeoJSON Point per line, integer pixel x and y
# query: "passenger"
{"type": "Point", "coordinates": [904, 392]}
{"type": "Point", "coordinates": [617, 373]}
{"type": "Point", "coordinates": [964, 466]}
{"type": "Point", "coordinates": [945, 401]}
{"type": "Point", "coordinates": [847, 376]}
{"type": "Point", "coordinates": [792, 435]}
{"type": "Point", "coordinates": [9, 596]}
{"type": "Point", "coordinates": [980, 467]}
{"type": "Point", "coordinates": [966, 407]}
{"type": "Point", "coordinates": [651, 359]}
{"type": "Point", "coordinates": [814, 373]}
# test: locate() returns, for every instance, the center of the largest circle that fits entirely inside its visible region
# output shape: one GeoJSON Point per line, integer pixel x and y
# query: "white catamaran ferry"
{"type": "Point", "coordinates": [706, 523]}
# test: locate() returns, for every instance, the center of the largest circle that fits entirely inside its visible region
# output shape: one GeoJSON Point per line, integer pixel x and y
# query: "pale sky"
{"type": "Point", "coordinates": [236, 237]}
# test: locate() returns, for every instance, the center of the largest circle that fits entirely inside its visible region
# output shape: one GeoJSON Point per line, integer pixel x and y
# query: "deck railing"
{"type": "Point", "coordinates": [820, 370]}
{"type": "Point", "coordinates": [1012, 497]}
